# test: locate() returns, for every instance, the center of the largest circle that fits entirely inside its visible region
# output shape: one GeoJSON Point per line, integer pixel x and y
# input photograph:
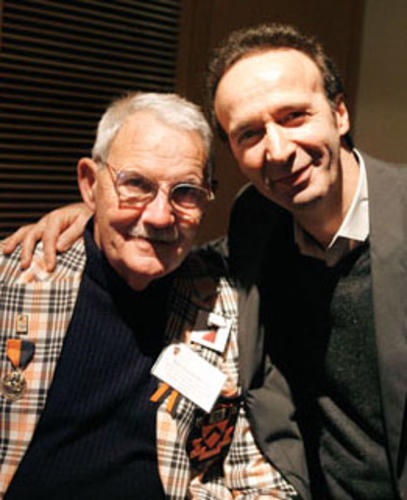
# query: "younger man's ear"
{"type": "Point", "coordinates": [342, 115]}
{"type": "Point", "coordinates": [86, 171]}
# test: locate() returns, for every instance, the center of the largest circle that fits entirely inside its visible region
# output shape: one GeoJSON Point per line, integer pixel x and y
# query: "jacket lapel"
{"type": "Point", "coordinates": [247, 244]}
{"type": "Point", "coordinates": [388, 231]}
{"type": "Point", "coordinates": [195, 292]}
{"type": "Point", "coordinates": [45, 302]}
{"type": "Point", "coordinates": [255, 224]}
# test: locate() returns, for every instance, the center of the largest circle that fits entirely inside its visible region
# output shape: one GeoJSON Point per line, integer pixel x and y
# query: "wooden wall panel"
{"type": "Point", "coordinates": [61, 63]}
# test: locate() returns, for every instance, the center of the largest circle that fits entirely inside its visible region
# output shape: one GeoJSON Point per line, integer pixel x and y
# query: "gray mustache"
{"type": "Point", "coordinates": [164, 235]}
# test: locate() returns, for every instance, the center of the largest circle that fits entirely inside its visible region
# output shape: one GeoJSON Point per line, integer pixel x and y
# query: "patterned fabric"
{"type": "Point", "coordinates": [48, 300]}
{"type": "Point", "coordinates": [202, 287]}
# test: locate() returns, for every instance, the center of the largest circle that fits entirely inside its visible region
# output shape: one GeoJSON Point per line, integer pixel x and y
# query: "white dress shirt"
{"type": "Point", "coordinates": [353, 231]}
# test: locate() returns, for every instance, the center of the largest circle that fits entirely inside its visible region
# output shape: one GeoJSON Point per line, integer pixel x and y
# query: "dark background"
{"type": "Point", "coordinates": [62, 62]}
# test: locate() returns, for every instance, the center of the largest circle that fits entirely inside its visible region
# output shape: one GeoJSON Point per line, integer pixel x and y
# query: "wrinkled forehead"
{"type": "Point", "coordinates": [148, 143]}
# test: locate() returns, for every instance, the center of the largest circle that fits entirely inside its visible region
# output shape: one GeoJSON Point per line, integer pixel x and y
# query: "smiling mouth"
{"type": "Point", "coordinates": [296, 178]}
{"type": "Point", "coordinates": [163, 242]}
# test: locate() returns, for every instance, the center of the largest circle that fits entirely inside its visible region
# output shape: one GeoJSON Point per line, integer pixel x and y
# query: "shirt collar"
{"type": "Point", "coordinates": [353, 231]}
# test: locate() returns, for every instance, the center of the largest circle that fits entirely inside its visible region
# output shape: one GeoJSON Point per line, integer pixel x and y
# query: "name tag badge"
{"type": "Point", "coordinates": [189, 374]}
{"type": "Point", "coordinates": [211, 331]}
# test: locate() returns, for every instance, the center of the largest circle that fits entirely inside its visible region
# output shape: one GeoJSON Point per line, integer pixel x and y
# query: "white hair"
{"type": "Point", "coordinates": [168, 108]}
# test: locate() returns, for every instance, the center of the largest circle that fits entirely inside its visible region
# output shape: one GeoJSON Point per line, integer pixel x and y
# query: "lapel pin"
{"type": "Point", "coordinates": [22, 324]}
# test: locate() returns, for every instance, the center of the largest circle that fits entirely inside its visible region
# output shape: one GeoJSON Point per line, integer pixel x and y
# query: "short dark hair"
{"type": "Point", "coordinates": [260, 38]}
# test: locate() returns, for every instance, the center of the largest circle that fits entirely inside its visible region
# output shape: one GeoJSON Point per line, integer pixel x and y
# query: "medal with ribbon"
{"type": "Point", "coordinates": [19, 353]}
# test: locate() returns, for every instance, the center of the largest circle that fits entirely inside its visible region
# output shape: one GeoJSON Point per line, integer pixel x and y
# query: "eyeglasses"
{"type": "Point", "coordinates": [136, 191]}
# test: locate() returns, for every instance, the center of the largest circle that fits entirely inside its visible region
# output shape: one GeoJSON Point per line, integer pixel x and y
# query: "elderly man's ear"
{"type": "Point", "coordinates": [87, 173]}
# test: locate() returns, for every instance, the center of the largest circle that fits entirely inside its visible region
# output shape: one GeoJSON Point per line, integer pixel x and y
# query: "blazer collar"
{"type": "Point", "coordinates": [387, 200]}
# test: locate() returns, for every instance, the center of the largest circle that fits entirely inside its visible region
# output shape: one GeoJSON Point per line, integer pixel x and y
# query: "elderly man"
{"type": "Point", "coordinates": [81, 415]}
{"type": "Point", "coordinates": [318, 253]}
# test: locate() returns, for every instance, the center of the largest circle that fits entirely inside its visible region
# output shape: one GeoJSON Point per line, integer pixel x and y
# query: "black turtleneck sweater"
{"type": "Point", "coordinates": [96, 438]}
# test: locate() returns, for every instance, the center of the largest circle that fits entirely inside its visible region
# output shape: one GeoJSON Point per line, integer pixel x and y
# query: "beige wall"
{"type": "Point", "coordinates": [380, 121]}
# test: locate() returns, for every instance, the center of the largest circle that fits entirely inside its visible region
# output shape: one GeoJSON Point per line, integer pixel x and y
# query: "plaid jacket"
{"type": "Point", "coordinates": [45, 301]}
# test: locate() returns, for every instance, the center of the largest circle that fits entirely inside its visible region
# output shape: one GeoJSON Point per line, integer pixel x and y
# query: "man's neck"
{"type": "Point", "coordinates": [323, 219]}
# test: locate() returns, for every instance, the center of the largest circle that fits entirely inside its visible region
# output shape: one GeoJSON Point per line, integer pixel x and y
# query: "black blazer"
{"type": "Point", "coordinates": [254, 222]}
